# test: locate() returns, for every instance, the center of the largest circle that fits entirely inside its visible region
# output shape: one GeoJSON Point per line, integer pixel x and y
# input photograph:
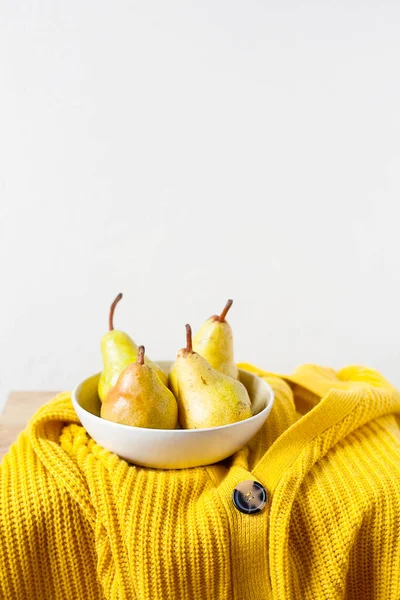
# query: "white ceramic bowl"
{"type": "Point", "coordinates": [172, 448]}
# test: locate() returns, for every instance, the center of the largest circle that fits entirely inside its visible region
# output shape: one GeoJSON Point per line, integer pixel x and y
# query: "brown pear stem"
{"type": "Point", "coordinates": [140, 356]}
{"type": "Point", "coordinates": [112, 309]}
{"type": "Point", "coordinates": [222, 316]}
{"type": "Point", "coordinates": [189, 348]}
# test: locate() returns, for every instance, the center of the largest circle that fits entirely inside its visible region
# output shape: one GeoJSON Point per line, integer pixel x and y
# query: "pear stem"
{"type": "Point", "coordinates": [140, 356]}
{"type": "Point", "coordinates": [112, 309]}
{"type": "Point", "coordinates": [189, 348]}
{"type": "Point", "coordinates": [222, 316]}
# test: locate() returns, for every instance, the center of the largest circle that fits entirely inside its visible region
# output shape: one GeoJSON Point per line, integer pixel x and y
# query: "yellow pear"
{"type": "Point", "coordinates": [214, 342]}
{"type": "Point", "coordinates": [140, 399]}
{"type": "Point", "coordinates": [206, 397]}
{"type": "Point", "coordinates": [118, 351]}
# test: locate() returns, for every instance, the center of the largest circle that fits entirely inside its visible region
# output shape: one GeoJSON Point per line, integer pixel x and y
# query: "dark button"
{"type": "Point", "coordinates": [249, 497]}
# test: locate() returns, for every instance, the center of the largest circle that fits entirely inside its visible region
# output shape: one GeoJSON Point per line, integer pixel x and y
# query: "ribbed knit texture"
{"type": "Point", "coordinates": [77, 522]}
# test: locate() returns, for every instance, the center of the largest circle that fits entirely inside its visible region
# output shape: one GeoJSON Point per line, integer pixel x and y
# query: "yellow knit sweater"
{"type": "Point", "coordinates": [77, 522]}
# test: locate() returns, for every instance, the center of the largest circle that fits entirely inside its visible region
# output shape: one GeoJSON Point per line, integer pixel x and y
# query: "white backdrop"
{"type": "Point", "coordinates": [184, 153]}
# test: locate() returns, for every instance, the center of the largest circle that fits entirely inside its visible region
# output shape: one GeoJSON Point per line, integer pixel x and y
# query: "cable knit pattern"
{"type": "Point", "coordinates": [77, 522]}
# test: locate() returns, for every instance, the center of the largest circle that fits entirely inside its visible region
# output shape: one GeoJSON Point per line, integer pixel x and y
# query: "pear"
{"type": "Point", "coordinates": [118, 351]}
{"type": "Point", "coordinates": [140, 399]}
{"type": "Point", "coordinates": [206, 397]}
{"type": "Point", "coordinates": [214, 342]}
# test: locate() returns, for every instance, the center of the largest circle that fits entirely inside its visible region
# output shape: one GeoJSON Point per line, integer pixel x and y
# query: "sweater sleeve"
{"type": "Point", "coordinates": [35, 516]}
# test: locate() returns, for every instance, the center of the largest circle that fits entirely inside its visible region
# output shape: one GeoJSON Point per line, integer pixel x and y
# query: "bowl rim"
{"type": "Point", "coordinates": [268, 407]}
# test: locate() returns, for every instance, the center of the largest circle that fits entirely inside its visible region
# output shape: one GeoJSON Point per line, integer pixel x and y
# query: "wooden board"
{"type": "Point", "coordinates": [19, 408]}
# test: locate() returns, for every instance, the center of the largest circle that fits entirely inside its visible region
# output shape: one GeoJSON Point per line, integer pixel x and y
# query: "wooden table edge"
{"type": "Point", "coordinates": [18, 409]}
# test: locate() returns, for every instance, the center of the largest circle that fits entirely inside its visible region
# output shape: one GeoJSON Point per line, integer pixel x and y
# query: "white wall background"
{"type": "Point", "coordinates": [187, 152]}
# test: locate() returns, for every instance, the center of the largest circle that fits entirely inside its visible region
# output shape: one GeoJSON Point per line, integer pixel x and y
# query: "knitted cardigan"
{"type": "Point", "coordinates": [77, 522]}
